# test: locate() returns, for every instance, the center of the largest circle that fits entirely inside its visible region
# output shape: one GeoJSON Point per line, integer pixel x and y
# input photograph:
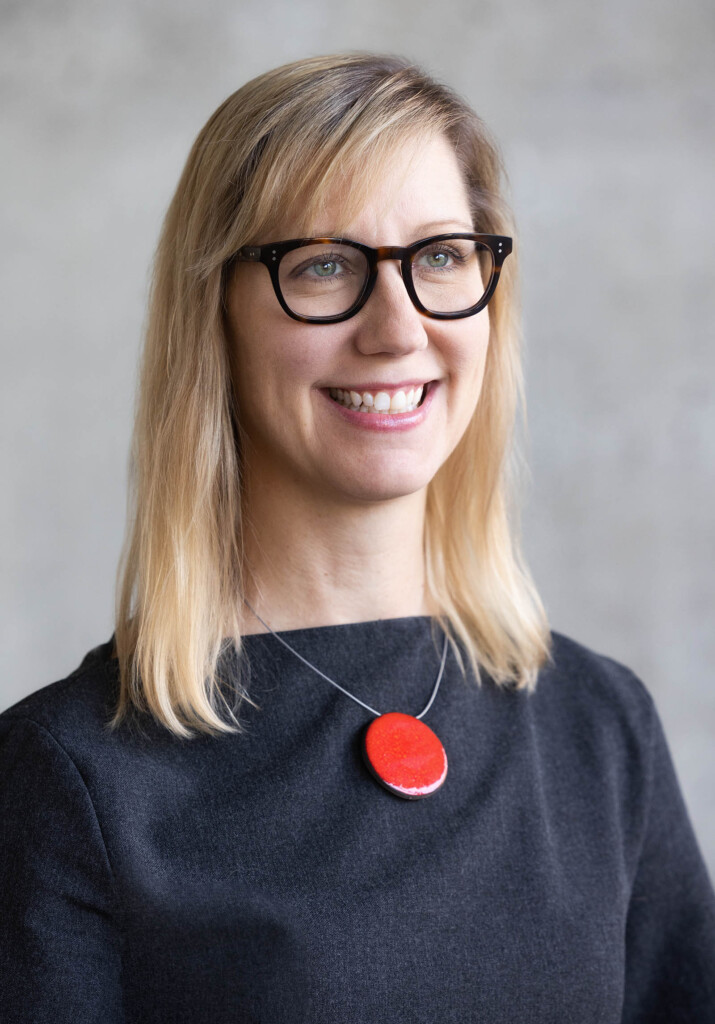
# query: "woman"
{"type": "Point", "coordinates": [333, 765]}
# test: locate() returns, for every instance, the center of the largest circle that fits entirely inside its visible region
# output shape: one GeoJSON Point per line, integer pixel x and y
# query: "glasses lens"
{"type": "Point", "coordinates": [452, 275]}
{"type": "Point", "coordinates": [322, 279]}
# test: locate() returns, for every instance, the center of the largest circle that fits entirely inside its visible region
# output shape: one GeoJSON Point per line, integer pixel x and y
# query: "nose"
{"type": "Point", "coordinates": [389, 323]}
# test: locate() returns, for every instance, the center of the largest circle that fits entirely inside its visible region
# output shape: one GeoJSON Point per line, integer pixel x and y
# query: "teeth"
{"type": "Point", "coordinates": [401, 401]}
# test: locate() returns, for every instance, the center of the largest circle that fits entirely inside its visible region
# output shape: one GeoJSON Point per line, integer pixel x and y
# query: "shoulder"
{"type": "Point", "coordinates": [595, 704]}
{"type": "Point", "coordinates": [596, 674]}
{"type": "Point", "coordinates": [577, 673]}
{"type": "Point", "coordinates": [73, 712]}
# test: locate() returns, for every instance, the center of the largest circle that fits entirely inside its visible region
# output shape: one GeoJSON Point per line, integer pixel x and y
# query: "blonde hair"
{"type": "Point", "coordinates": [274, 146]}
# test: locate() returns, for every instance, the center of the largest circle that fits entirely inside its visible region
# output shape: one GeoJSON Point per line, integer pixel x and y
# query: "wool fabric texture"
{"type": "Point", "coordinates": [266, 877]}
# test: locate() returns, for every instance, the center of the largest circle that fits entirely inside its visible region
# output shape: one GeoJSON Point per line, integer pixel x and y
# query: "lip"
{"type": "Point", "coordinates": [416, 382]}
{"type": "Point", "coordinates": [383, 422]}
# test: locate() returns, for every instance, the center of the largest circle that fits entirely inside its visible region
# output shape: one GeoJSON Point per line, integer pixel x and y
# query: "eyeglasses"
{"type": "Point", "coordinates": [327, 280]}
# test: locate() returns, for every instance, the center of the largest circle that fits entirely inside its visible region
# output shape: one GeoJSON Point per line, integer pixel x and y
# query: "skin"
{"type": "Point", "coordinates": [336, 512]}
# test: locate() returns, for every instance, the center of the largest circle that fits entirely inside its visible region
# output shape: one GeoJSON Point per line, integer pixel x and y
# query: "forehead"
{"type": "Point", "coordinates": [418, 183]}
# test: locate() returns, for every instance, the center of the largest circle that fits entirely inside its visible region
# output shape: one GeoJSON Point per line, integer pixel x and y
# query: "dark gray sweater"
{"type": "Point", "coordinates": [267, 876]}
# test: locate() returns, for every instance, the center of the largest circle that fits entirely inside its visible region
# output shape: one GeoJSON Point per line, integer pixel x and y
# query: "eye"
{"type": "Point", "coordinates": [329, 268]}
{"type": "Point", "coordinates": [436, 259]}
{"type": "Point", "coordinates": [319, 266]}
{"type": "Point", "coordinates": [439, 257]}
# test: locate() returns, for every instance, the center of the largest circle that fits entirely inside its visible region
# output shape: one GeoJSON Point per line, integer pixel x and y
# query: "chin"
{"type": "Point", "coordinates": [383, 485]}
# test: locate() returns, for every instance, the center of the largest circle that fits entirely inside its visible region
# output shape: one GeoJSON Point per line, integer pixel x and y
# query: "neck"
{"type": "Point", "coordinates": [313, 563]}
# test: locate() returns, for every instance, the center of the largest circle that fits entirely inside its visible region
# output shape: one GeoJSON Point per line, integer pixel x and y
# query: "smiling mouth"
{"type": "Point", "coordinates": [404, 400]}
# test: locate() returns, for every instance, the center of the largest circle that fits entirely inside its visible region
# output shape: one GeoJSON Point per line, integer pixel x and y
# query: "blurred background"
{"type": "Point", "coordinates": [605, 117]}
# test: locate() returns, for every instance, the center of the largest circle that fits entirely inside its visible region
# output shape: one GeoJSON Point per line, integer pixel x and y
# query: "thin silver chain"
{"type": "Point", "coordinates": [342, 689]}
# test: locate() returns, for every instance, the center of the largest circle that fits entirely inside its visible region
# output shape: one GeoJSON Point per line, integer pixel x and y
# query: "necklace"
{"type": "Point", "coordinates": [402, 753]}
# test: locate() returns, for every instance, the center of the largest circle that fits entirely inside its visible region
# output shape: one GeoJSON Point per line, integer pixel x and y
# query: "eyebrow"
{"type": "Point", "coordinates": [445, 224]}
{"type": "Point", "coordinates": [434, 227]}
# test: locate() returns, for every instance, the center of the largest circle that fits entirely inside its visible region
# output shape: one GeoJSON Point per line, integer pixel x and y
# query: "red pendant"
{"type": "Point", "coordinates": [404, 755]}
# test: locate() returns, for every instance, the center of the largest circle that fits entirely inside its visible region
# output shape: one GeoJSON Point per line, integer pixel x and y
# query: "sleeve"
{"type": "Point", "coordinates": [59, 946]}
{"type": "Point", "coordinates": [670, 930]}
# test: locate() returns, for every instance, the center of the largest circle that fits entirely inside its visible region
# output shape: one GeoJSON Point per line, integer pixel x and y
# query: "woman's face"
{"type": "Point", "coordinates": [287, 373]}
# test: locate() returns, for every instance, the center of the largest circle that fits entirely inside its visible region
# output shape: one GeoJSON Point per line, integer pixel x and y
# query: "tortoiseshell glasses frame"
{"type": "Point", "coordinates": [271, 254]}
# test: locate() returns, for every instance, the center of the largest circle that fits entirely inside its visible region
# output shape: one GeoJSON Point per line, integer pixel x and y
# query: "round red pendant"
{"type": "Point", "coordinates": [404, 755]}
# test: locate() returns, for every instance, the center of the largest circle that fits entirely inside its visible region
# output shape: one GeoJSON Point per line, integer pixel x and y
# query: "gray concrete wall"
{"type": "Point", "coordinates": [605, 114]}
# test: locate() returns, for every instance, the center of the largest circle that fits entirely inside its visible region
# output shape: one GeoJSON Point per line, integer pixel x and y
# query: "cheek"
{"type": "Point", "coordinates": [254, 329]}
{"type": "Point", "coordinates": [469, 359]}
{"type": "Point", "coordinates": [275, 365]}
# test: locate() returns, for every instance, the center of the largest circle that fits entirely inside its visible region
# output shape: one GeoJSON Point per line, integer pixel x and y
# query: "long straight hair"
{"type": "Point", "coordinates": [275, 146]}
